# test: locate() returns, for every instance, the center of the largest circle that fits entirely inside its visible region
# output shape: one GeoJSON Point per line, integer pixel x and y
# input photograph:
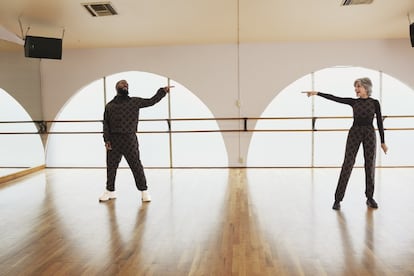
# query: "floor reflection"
{"type": "Point", "coordinates": [205, 222]}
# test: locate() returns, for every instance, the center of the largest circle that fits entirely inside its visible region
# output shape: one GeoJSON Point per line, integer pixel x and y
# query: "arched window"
{"type": "Point", "coordinates": [326, 146]}
{"type": "Point", "coordinates": [158, 149]}
{"type": "Point", "coordinates": [20, 150]}
{"type": "Point", "coordinates": [283, 149]}
{"type": "Point", "coordinates": [204, 149]}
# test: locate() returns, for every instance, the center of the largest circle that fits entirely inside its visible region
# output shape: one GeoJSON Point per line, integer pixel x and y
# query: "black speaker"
{"type": "Point", "coordinates": [412, 34]}
{"type": "Point", "coordinates": [43, 47]}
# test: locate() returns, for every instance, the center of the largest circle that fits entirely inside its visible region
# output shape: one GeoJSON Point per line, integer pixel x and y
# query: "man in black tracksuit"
{"type": "Point", "coordinates": [362, 131]}
{"type": "Point", "coordinates": [119, 133]}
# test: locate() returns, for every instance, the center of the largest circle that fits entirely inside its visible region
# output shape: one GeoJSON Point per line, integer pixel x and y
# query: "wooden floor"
{"type": "Point", "coordinates": [207, 222]}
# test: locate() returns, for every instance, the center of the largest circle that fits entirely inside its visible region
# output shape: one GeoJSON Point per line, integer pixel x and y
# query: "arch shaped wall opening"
{"type": "Point", "coordinates": [20, 150]}
{"type": "Point", "coordinates": [187, 149]}
{"type": "Point", "coordinates": [305, 148]}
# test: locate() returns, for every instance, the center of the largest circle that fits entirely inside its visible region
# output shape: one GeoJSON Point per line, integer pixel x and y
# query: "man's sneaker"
{"type": "Point", "coordinates": [107, 195]}
{"type": "Point", "coordinates": [372, 203]}
{"type": "Point", "coordinates": [336, 205]}
{"type": "Point", "coordinates": [145, 196]}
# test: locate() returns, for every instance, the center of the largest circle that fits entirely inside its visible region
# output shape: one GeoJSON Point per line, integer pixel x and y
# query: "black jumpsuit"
{"type": "Point", "coordinates": [362, 131]}
{"type": "Point", "coordinates": [119, 128]}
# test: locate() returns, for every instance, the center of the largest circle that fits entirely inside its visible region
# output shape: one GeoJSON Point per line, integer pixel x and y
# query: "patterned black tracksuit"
{"type": "Point", "coordinates": [362, 131]}
{"type": "Point", "coordinates": [119, 128]}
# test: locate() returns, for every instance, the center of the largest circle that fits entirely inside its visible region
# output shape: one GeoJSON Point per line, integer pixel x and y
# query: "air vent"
{"type": "Point", "coordinates": [100, 8]}
{"type": "Point", "coordinates": [355, 2]}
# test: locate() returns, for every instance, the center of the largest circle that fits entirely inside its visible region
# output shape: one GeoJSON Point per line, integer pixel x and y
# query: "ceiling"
{"type": "Point", "coordinates": [181, 22]}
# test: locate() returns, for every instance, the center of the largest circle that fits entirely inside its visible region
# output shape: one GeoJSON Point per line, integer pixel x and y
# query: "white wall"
{"type": "Point", "coordinates": [211, 72]}
{"type": "Point", "coordinates": [20, 77]}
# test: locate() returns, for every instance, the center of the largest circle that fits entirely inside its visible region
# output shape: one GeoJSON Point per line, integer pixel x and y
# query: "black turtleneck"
{"type": "Point", "coordinates": [122, 113]}
{"type": "Point", "coordinates": [363, 111]}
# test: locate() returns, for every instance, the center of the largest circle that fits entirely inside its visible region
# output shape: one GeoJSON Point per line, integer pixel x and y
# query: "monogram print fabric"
{"type": "Point", "coordinates": [120, 125]}
{"type": "Point", "coordinates": [361, 132]}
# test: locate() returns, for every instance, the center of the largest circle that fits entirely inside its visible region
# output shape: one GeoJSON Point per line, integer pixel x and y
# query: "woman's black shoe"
{"type": "Point", "coordinates": [336, 205]}
{"type": "Point", "coordinates": [372, 203]}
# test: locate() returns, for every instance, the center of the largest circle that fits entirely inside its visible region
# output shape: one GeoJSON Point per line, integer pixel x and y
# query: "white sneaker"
{"type": "Point", "coordinates": [145, 196]}
{"type": "Point", "coordinates": [107, 195]}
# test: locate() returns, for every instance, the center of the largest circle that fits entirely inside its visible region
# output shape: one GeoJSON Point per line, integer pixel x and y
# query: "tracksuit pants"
{"type": "Point", "coordinates": [356, 136]}
{"type": "Point", "coordinates": [124, 145]}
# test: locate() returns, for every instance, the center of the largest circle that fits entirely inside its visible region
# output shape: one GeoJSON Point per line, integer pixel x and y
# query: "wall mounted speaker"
{"type": "Point", "coordinates": [43, 47]}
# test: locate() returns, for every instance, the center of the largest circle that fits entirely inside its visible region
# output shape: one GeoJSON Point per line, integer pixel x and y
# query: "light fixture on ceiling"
{"type": "Point", "coordinates": [100, 8]}
{"type": "Point", "coordinates": [355, 2]}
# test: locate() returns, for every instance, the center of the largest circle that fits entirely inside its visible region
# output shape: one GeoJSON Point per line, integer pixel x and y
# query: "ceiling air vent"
{"type": "Point", "coordinates": [100, 8]}
{"type": "Point", "coordinates": [355, 2]}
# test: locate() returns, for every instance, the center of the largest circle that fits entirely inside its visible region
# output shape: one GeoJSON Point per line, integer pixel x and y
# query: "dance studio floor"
{"type": "Point", "coordinates": [207, 222]}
